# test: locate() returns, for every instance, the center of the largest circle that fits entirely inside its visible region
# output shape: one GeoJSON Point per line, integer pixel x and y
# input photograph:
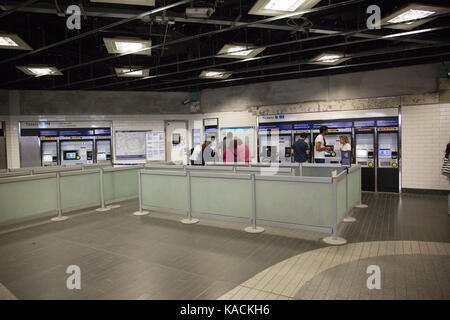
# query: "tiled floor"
{"type": "Point", "coordinates": [122, 256]}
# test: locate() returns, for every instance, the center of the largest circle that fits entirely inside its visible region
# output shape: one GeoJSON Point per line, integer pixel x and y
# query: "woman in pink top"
{"type": "Point", "coordinates": [242, 152]}
{"type": "Point", "coordinates": [229, 151]}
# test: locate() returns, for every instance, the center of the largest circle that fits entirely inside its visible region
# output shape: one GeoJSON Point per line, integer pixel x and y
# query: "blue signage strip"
{"type": "Point", "coordinates": [211, 130]}
{"type": "Point", "coordinates": [362, 124]}
{"type": "Point", "coordinates": [106, 132]}
{"type": "Point", "coordinates": [333, 125]}
{"type": "Point", "coordinates": [49, 133]}
{"type": "Point", "coordinates": [301, 126]}
{"type": "Point", "coordinates": [77, 133]}
{"type": "Point", "coordinates": [387, 123]}
{"type": "Point", "coordinates": [276, 127]}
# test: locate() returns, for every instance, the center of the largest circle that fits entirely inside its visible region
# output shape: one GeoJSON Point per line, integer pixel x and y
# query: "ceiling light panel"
{"type": "Point", "coordinates": [215, 74]}
{"type": "Point", "coordinates": [239, 51]}
{"type": "Point", "coordinates": [280, 7]}
{"type": "Point", "coordinates": [412, 16]}
{"type": "Point", "coordinates": [39, 71]}
{"type": "Point", "coordinates": [13, 42]}
{"type": "Point", "coordinates": [130, 46]}
{"type": "Point", "coordinates": [150, 3]}
{"type": "Point", "coordinates": [132, 72]}
{"type": "Point", "coordinates": [330, 58]}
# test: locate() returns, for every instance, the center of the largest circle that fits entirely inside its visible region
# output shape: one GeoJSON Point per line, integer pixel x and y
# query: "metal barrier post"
{"type": "Point", "coordinates": [103, 208]}
{"type": "Point", "coordinates": [253, 228]}
{"type": "Point", "coordinates": [60, 217]}
{"type": "Point", "coordinates": [140, 212]}
{"type": "Point", "coordinates": [189, 219]}
{"type": "Point", "coordinates": [334, 239]}
{"type": "Point", "coordinates": [361, 205]}
{"type": "Point", "coordinates": [347, 217]}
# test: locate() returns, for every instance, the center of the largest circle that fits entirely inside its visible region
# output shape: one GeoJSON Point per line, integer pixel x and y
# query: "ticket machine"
{"type": "Point", "coordinates": [365, 153]}
{"type": "Point", "coordinates": [76, 147]}
{"type": "Point", "coordinates": [103, 146]}
{"type": "Point", "coordinates": [49, 151]}
{"type": "Point", "coordinates": [388, 156]}
{"type": "Point", "coordinates": [275, 143]}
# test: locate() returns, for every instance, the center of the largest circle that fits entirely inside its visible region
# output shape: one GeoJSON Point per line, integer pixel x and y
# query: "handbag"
{"type": "Point", "coordinates": [446, 167]}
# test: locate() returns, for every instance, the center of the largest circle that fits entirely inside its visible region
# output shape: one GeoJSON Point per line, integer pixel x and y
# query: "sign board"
{"type": "Point", "coordinates": [156, 146]}
{"type": "Point", "coordinates": [131, 144]}
{"type": "Point", "coordinates": [63, 124]}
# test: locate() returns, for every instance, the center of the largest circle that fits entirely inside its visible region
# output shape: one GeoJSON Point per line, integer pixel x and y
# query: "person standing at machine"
{"type": "Point", "coordinates": [300, 149]}
{"type": "Point", "coordinates": [208, 154]}
{"type": "Point", "coordinates": [446, 169]}
{"type": "Point", "coordinates": [228, 148]}
{"type": "Point", "coordinates": [345, 143]}
{"type": "Point", "coordinates": [196, 155]}
{"type": "Point", "coordinates": [242, 152]}
{"type": "Point", "coordinates": [320, 145]}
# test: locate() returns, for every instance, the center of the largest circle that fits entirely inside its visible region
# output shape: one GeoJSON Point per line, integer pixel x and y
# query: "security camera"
{"type": "Point", "coordinates": [186, 101]}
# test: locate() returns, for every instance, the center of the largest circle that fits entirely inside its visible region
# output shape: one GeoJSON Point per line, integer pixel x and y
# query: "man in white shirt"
{"type": "Point", "coordinates": [320, 147]}
{"type": "Point", "coordinates": [196, 156]}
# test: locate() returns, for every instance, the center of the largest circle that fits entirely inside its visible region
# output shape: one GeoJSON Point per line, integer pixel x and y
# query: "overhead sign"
{"type": "Point", "coordinates": [69, 133]}
{"type": "Point", "coordinates": [387, 123]}
{"type": "Point", "coordinates": [333, 125]}
{"type": "Point", "coordinates": [364, 123]}
{"type": "Point", "coordinates": [63, 124]}
{"type": "Point", "coordinates": [302, 126]}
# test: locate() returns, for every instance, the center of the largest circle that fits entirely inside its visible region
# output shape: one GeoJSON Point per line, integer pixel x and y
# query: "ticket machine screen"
{"type": "Point", "coordinates": [47, 158]}
{"type": "Point", "coordinates": [361, 153]}
{"type": "Point", "coordinates": [385, 153]}
{"type": "Point", "coordinates": [70, 155]}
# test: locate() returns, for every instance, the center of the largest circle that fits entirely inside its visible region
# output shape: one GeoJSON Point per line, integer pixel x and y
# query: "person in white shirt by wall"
{"type": "Point", "coordinates": [320, 145]}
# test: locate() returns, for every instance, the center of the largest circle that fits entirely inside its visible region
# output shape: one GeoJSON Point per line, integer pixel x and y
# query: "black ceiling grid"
{"type": "Point", "coordinates": [190, 45]}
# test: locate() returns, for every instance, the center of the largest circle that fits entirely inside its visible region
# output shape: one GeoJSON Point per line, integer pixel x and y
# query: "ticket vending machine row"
{"type": "Point", "coordinates": [365, 156]}
{"type": "Point", "coordinates": [388, 159]}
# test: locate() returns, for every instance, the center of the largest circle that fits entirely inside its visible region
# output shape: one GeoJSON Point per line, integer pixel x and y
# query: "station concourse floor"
{"type": "Point", "coordinates": [122, 256]}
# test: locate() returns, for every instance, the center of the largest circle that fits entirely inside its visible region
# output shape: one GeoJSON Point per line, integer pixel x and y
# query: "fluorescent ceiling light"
{"type": "Point", "coordinates": [129, 2]}
{"type": "Point", "coordinates": [239, 51]}
{"type": "Point", "coordinates": [421, 14]}
{"type": "Point", "coordinates": [329, 58]}
{"type": "Point", "coordinates": [39, 71]}
{"type": "Point", "coordinates": [280, 7]}
{"type": "Point", "coordinates": [132, 72]}
{"type": "Point", "coordinates": [411, 14]}
{"type": "Point", "coordinates": [13, 41]}
{"type": "Point", "coordinates": [126, 45]}
{"type": "Point", "coordinates": [215, 74]}
{"type": "Point", "coordinates": [284, 5]}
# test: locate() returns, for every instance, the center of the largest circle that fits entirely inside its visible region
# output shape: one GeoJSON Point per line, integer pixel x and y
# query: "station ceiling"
{"type": "Point", "coordinates": [183, 47]}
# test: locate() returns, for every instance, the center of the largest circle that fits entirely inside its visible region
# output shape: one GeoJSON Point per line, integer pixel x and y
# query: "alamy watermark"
{"type": "Point", "coordinates": [74, 280]}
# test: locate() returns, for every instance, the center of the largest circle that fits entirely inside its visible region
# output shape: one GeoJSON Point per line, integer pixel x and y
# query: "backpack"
{"type": "Point", "coordinates": [446, 167]}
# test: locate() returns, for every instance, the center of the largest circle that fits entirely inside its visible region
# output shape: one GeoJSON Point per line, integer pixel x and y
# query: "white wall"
{"type": "Point", "coordinates": [425, 133]}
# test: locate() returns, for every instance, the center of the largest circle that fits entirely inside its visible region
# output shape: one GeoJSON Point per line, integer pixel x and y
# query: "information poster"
{"type": "Point", "coordinates": [131, 144]}
{"type": "Point", "coordinates": [156, 146]}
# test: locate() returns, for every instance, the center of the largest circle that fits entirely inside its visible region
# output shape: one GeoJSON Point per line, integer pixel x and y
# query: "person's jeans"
{"type": "Point", "coordinates": [319, 160]}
